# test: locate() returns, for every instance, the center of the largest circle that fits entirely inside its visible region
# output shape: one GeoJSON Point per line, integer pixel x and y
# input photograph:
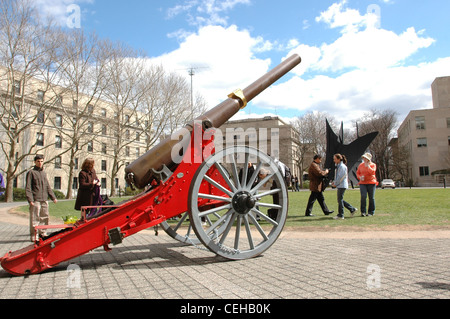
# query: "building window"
{"type": "Point", "coordinates": [138, 136]}
{"type": "Point", "coordinates": [104, 112]}
{"type": "Point", "coordinates": [90, 127]}
{"type": "Point", "coordinates": [76, 163]}
{"type": "Point", "coordinates": [448, 122]}
{"type": "Point", "coordinates": [40, 117]}
{"type": "Point", "coordinates": [422, 142]}
{"type": "Point", "coordinates": [137, 152]}
{"type": "Point", "coordinates": [40, 96]}
{"type": "Point", "coordinates": [104, 148]}
{"type": "Point", "coordinates": [127, 151]}
{"type": "Point", "coordinates": [75, 183]}
{"type": "Point", "coordinates": [104, 165]}
{"type": "Point", "coordinates": [420, 122]}
{"type": "Point", "coordinates": [103, 182]}
{"type": "Point", "coordinates": [59, 100]}
{"type": "Point", "coordinates": [17, 87]}
{"type": "Point", "coordinates": [58, 141]}
{"type": "Point", "coordinates": [75, 104]}
{"type": "Point", "coordinates": [40, 139]}
{"type": "Point", "coordinates": [104, 129]}
{"type": "Point", "coordinates": [90, 109]}
{"type": "Point", "coordinates": [424, 171]}
{"type": "Point", "coordinates": [116, 182]}
{"type": "Point", "coordinates": [58, 120]}
{"type": "Point", "coordinates": [57, 182]}
{"type": "Point", "coordinates": [58, 162]}
{"type": "Point", "coordinates": [90, 146]}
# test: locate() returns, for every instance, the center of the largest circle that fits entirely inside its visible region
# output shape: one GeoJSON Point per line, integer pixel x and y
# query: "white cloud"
{"type": "Point", "coordinates": [350, 95]}
{"type": "Point", "coordinates": [371, 48]}
{"type": "Point", "coordinates": [205, 12]}
{"type": "Point", "coordinates": [224, 57]}
{"type": "Point", "coordinates": [59, 10]}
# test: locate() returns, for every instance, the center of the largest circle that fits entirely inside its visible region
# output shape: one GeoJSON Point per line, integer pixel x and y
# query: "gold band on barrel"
{"type": "Point", "coordinates": [239, 94]}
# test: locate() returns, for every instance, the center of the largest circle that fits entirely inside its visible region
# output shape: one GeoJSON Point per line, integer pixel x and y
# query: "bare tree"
{"type": "Point", "coordinates": [27, 51]}
{"type": "Point", "coordinates": [384, 123]}
{"type": "Point", "coordinates": [126, 89]}
{"type": "Point", "coordinates": [83, 78]}
{"type": "Point", "coordinates": [312, 136]}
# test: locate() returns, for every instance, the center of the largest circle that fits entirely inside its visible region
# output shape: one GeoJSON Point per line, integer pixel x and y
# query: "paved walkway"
{"type": "Point", "coordinates": [298, 266]}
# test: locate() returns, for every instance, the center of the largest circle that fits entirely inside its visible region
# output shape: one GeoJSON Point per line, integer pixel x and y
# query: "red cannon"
{"type": "Point", "coordinates": [237, 216]}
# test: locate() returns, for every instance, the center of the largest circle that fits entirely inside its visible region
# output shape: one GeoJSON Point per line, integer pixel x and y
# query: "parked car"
{"type": "Point", "coordinates": [387, 183]}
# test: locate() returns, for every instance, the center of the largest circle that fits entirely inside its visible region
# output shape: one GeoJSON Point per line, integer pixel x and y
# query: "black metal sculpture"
{"type": "Point", "coordinates": [352, 151]}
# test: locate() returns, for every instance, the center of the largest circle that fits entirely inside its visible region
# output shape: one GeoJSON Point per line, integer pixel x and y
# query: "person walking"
{"type": "Point", "coordinates": [367, 184]}
{"type": "Point", "coordinates": [37, 190]}
{"type": "Point", "coordinates": [341, 183]}
{"type": "Point", "coordinates": [89, 186]}
{"type": "Point", "coordinates": [316, 186]}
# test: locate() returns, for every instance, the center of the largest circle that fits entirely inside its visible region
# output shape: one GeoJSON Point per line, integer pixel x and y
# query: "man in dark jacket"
{"type": "Point", "coordinates": [38, 190]}
{"type": "Point", "coordinates": [316, 186]}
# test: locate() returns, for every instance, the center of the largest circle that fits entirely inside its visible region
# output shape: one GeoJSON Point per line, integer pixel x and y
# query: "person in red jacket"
{"type": "Point", "coordinates": [367, 184]}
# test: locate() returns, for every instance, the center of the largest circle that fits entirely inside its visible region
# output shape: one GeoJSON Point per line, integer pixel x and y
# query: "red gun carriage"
{"type": "Point", "coordinates": [228, 215]}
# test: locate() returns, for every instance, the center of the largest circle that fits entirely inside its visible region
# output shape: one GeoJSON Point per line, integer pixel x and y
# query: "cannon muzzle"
{"type": "Point", "coordinates": [140, 172]}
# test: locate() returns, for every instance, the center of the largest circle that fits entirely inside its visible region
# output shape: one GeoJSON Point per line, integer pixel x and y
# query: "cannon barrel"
{"type": "Point", "coordinates": [140, 172]}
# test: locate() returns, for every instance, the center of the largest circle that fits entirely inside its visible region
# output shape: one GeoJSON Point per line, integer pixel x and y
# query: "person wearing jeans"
{"type": "Point", "coordinates": [367, 184]}
{"type": "Point", "coordinates": [341, 183]}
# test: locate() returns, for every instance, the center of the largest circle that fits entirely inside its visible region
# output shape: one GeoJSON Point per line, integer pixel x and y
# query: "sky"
{"type": "Point", "coordinates": [357, 55]}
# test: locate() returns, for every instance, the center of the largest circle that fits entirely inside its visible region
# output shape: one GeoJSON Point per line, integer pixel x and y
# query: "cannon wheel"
{"type": "Point", "coordinates": [187, 236]}
{"type": "Point", "coordinates": [250, 227]}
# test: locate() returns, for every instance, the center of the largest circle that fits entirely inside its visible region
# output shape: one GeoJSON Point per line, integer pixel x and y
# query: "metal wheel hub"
{"type": "Point", "coordinates": [243, 202]}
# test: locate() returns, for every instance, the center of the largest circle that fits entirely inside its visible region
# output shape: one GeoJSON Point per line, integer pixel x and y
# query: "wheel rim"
{"type": "Point", "coordinates": [241, 227]}
{"type": "Point", "coordinates": [180, 231]}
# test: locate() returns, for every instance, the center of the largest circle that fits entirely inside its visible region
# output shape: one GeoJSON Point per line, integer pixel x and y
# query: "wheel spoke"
{"type": "Point", "coordinates": [225, 176]}
{"type": "Point", "coordinates": [267, 205]}
{"type": "Point", "coordinates": [214, 183]}
{"type": "Point", "coordinates": [213, 210]}
{"type": "Point", "coordinates": [218, 222]}
{"type": "Point", "coordinates": [227, 230]}
{"type": "Point", "coordinates": [255, 174]}
{"type": "Point", "coordinates": [238, 232]}
{"type": "Point", "coordinates": [249, 233]}
{"type": "Point", "coordinates": [261, 183]}
{"type": "Point", "coordinates": [180, 222]}
{"type": "Point", "coordinates": [272, 191]}
{"type": "Point", "coordinates": [214, 197]}
{"type": "Point", "coordinates": [235, 171]}
{"type": "Point", "coordinates": [267, 218]}
{"type": "Point", "coordinates": [245, 171]}
{"type": "Point", "coordinates": [258, 227]}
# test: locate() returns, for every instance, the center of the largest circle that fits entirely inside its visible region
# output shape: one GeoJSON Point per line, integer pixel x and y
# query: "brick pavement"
{"type": "Point", "coordinates": [295, 267]}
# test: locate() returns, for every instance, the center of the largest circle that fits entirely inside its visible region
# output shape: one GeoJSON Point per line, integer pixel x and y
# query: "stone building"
{"type": "Point", "coordinates": [425, 134]}
{"type": "Point", "coordinates": [51, 113]}
{"type": "Point", "coordinates": [269, 134]}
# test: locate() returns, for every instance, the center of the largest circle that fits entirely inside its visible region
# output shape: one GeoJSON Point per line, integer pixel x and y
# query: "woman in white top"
{"type": "Point", "coordinates": [341, 183]}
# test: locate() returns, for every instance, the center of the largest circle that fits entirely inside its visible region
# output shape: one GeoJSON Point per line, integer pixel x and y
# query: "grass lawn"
{"type": "Point", "coordinates": [393, 207]}
{"type": "Point", "coordinates": [417, 206]}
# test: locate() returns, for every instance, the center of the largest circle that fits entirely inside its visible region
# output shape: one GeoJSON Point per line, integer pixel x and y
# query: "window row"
{"type": "Point", "coordinates": [90, 145]}
{"type": "Point", "coordinates": [58, 164]}
{"type": "Point", "coordinates": [57, 183]}
{"type": "Point", "coordinates": [420, 122]}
